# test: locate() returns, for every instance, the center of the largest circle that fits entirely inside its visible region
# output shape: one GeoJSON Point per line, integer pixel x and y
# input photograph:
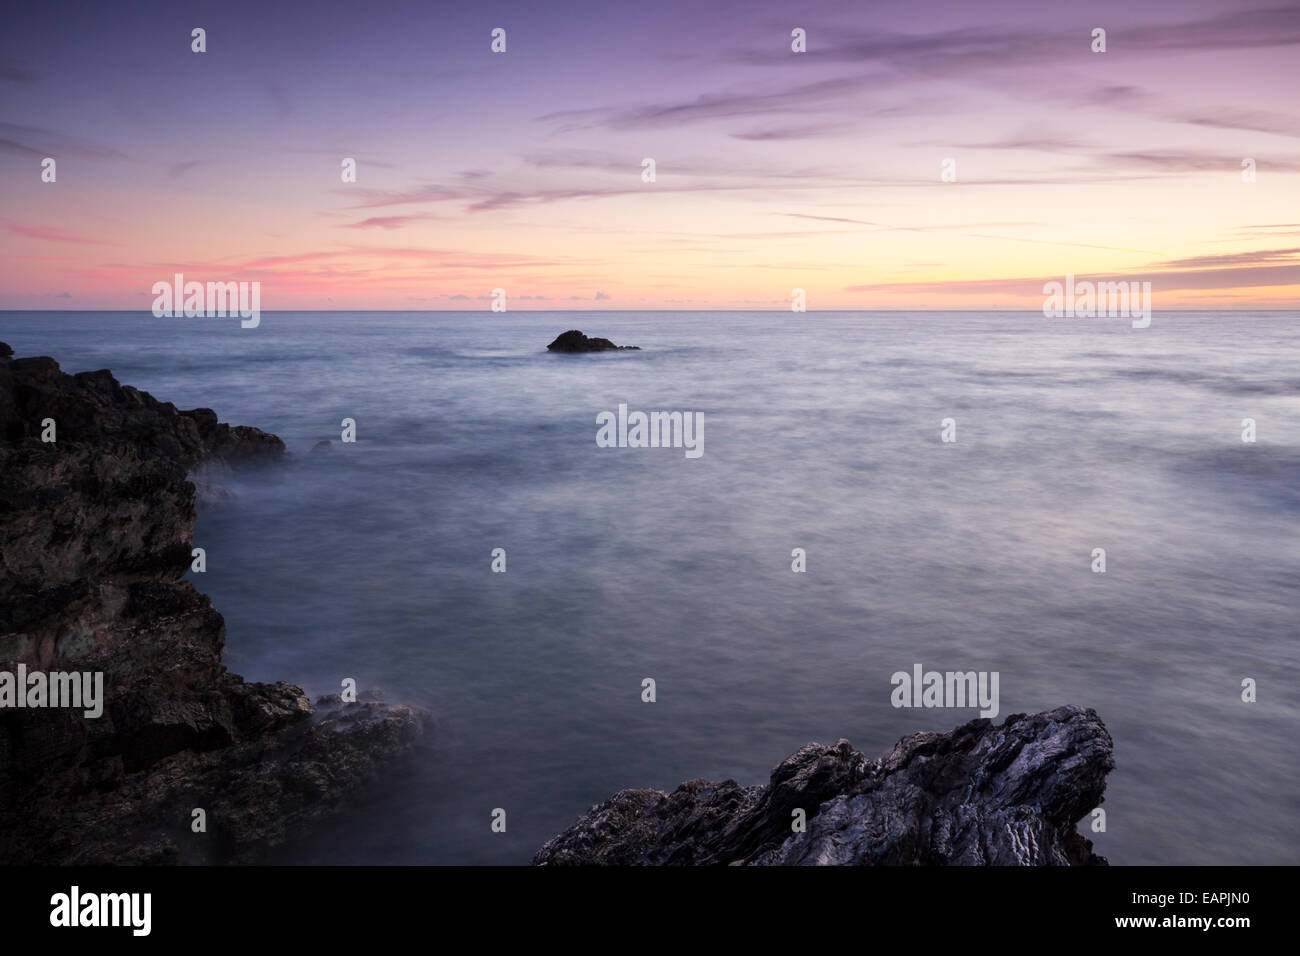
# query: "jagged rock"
{"type": "Point", "coordinates": [979, 795]}
{"type": "Point", "coordinates": [575, 341]}
{"type": "Point", "coordinates": [322, 446]}
{"type": "Point", "coordinates": [256, 795]}
{"type": "Point", "coordinates": [95, 534]}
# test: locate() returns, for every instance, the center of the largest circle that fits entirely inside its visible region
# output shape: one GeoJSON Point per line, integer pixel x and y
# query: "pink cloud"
{"type": "Point", "coordinates": [54, 235]}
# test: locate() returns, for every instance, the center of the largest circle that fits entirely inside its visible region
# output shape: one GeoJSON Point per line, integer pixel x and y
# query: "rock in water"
{"type": "Point", "coordinates": [96, 529]}
{"type": "Point", "coordinates": [1006, 795]}
{"type": "Point", "coordinates": [575, 341]}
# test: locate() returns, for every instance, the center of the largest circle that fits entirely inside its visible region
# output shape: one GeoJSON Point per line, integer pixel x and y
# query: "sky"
{"type": "Point", "coordinates": [774, 170]}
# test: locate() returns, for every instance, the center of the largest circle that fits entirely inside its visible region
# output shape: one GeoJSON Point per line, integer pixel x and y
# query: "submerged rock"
{"type": "Point", "coordinates": [96, 531]}
{"type": "Point", "coordinates": [323, 446]}
{"type": "Point", "coordinates": [981, 794]}
{"type": "Point", "coordinates": [575, 341]}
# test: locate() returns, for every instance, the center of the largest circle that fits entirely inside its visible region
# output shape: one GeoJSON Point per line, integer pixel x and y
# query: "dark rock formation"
{"type": "Point", "coordinates": [96, 530]}
{"type": "Point", "coordinates": [575, 341]}
{"type": "Point", "coordinates": [979, 795]}
{"type": "Point", "coordinates": [322, 446]}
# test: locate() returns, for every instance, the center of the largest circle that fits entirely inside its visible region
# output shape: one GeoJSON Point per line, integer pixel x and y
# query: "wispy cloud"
{"type": "Point", "coordinates": [1228, 118]}
{"type": "Point", "coordinates": [1184, 160]}
{"type": "Point", "coordinates": [341, 153]}
{"type": "Point", "coordinates": [178, 169]}
{"type": "Point", "coordinates": [994, 47]}
{"type": "Point", "coordinates": [483, 199]}
{"type": "Point", "coordinates": [389, 222]}
{"type": "Point", "coordinates": [50, 234]}
{"type": "Point", "coordinates": [971, 235]}
{"type": "Point", "coordinates": [277, 92]}
{"type": "Point", "coordinates": [425, 258]}
{"type": "Point", "coordinates": [801, 131]}
{"type": "Point", "coordinates": [796, 100]}
{"type": "Point", "coordinates": [13, 73]}
{"type": "Point", "coordinates": [626, 164]}
{"type": "Point", "coordinates": [998, 56]}
{"type": "Point", "coordinates": [1255, 257]}
{"type": "Point", "coordinates": [1162, 281]}
{"type": "Point", "coordinates": [1163, 160]}
{"type": "Point", "coordinates": [34, 141]}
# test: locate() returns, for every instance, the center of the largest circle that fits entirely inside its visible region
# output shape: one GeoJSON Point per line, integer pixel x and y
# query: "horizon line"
{"type": "Point", "coordinates": [1293, 308]}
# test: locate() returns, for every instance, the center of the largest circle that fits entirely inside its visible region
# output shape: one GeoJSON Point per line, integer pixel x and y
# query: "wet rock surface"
{"type": "Point", "coordinates": [982, 794]}
{"type": "Point", "coordinates": [96, 531]}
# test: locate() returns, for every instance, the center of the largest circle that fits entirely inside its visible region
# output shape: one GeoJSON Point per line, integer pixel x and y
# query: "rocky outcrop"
{"type": "Point", "coordinates": [96, 531]}
{"type": "Point", "coordinates": [575, 341]}
{"type": "Point", "coordinates": [979, 795]}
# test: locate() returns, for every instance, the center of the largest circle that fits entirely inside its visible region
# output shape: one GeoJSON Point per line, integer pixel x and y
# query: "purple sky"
{"type": "Point", "coordinates": [774, 170]}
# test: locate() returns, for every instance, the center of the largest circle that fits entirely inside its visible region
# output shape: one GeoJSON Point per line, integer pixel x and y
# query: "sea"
{"type": "Point", "coordinates": [823, 444]}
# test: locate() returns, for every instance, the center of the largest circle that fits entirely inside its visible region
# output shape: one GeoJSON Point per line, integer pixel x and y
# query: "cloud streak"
{"type": "Point", "coordinates": [33, 141]}
{"type": "Point", "coordinates": [50, 234]}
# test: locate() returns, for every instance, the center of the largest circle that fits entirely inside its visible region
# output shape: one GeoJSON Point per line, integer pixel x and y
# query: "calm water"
{"type": "Point", "coordinates": [822, 432]}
